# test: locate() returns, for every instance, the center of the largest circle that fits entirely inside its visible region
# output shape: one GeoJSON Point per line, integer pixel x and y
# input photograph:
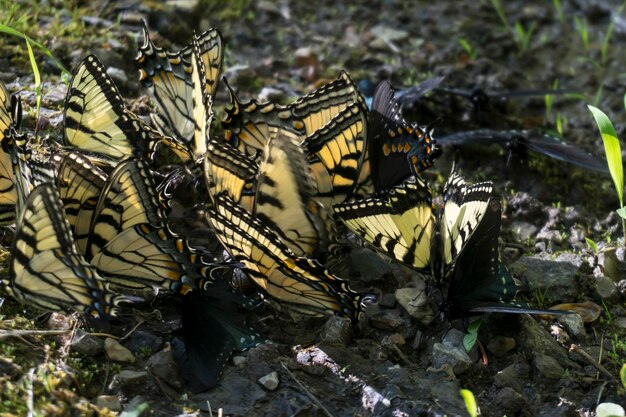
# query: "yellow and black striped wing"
{"type": "Point", "coordinates": [284, 195]}
{"type": "Point", "coordinates": [129, 242]}
{"type": "Point", "coordinates": [168, 77]}
{"type": "Point", "coordinates": [202, 98]}
{"type": "Point", "coordinates": [226, 170]}
{"type": "Point", "coordinates": [275, 269]}
{"type": "Point", "coordinates": [319, 107]}
{"type": "Point", "coordinates": [46, 270]}
{"type": "Point", "coordinates": [248, 125]}
{"type": "Point", "coordinates": [464, 207]}
{"type": "Point", "coordinates": [8, 193]}
{"type": "Point", "coordinates": [336, 153]}
{"type": "Point", "coordinates": [399, 224]}
{"type": "Point", "coordinates": [96, 118]}
{"type": "Point", "coordinates": [80, 183]}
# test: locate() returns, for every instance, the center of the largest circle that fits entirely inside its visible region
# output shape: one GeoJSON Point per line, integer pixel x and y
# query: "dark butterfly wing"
{"type": "Point", "coordinates": [8, 125]}
{"type": "Point", "coordinates": [396, 149]}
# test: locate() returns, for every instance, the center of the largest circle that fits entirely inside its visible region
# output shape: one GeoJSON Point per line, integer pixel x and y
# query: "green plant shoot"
{"type": "Point", "coordinates": [470, 402]}
{"type": "Point", "coordinates": [613, 153]}
{"type": "Point", "coordinates": [33, 63]}
{"type": "Point", "coordinates": [469, 340]}
{"type": "Point", "coordinates": [622, 375]}
{"type": "Point", "coordinates": [592, 245]}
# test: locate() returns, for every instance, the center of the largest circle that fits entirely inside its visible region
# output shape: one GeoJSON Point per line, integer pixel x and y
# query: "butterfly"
{"type": "Point", "coordinates": [182, 84]}
{"type": "Point", "coordinates": [46, 269]}
{"type": "Point", "coordinates": [301, 282]}
{"type": "Point", "coordinates": [247, 124]}
{"type": "Point", "coordinates": [397, 149]}
{"type": "Point", "coordinates": [10, 121]}
{"type": "Point", "coordinates": [97, 120]}
{"type": "Point", "coordinates": [535, 140]}
{"type": "Point", "coordinates": [121, 225]}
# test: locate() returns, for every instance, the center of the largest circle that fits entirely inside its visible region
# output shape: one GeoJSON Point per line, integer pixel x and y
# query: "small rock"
{"type": "Point", "coordinates": [304, 57]}
{"type": "Point", "coordinates": [605, 288]}
{"type": "Point", "coordinates": [88, 345]}
{"type": "Point", "coordinates": [116, 352]}
{"type": "Point", "coordinates": [119, 76]}
{"type": "Point", "coordinates": [547, 366]}
{"type": "Point", "coordinates": [454, 338]}
{"type": "Point", "coordinates": [416, 302]}
{"type": "Point", "coordinates": [387, 320]}
{"type": "Point", "coordinates": [109, 401]}
{"type": "Point", "coordinates": [239, 74]}
{"type": "Point", "coordinates": [234, 393]}
{"type": "Point", "coordinates": [619, 322]}
{"type": "Point", "coordinates": [387, 300]}
{"type": "Point", "coordinates": [130, 379]}
{"type": "Point", "coordinates": [454, 357]}
{"type": "Point", "coordinates": [270, 94]}
{"type": "Point", "coordinates": [368, 265]}
{"type": "Point", "coordinates": [144, 340]}
{"type": "Point", "coordinates": [532, 337]}
{"type": "Point", "coordinates": [501, 345]}
{"type": "Point", "coordinates": [554, 278]}
{"type": "Point", "coordinates": [513, 376]}
{"type": "Point", "coordinates": [510, 401]}
{"type": "Point", "coordinates": [270, 381]}
{"type": "Point", "coordinates": [574, 325]}
{"type": "Point", "coordinates": [524, 230]}
{"type": "Point", "coordinates": [610, 409]}
{"type": "Point", "coordinates": [59, 321]}
{"type": "Point", "coordinates": [397, 339]}
{"type": "Point", "coordinates": [163, 365]}
{"type": "Point", "coordinates": [389, 34]}
{"type": "Point", "coordinates": [336, 331]}
{"type": "Point", "coordinates": [239, 361]}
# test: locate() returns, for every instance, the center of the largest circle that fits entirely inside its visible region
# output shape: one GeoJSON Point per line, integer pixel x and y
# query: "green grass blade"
{"type": "Point", "coordinates": [470, 402]}
{"type": "Point", "coordinates": [622, 375]}
{"type": "Point", "coordinates": [612, 150]}
{"type": "Point", "coordinates": [10, 31]}
{"type": "Point", "coordinates": [33, 63]}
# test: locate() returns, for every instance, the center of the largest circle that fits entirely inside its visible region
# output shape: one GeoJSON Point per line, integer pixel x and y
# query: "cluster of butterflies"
{"type": "Point", "coordinates": [91, 211]}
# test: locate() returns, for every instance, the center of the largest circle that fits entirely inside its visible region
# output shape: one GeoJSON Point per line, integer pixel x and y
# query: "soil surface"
{"type": "Point", "coordinates": [390, 364]}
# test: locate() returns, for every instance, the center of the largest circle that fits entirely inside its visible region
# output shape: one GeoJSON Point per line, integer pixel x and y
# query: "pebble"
{"type": "Point", "coordinates": [86, 344]}
{"type": "Point", "coordinates": [389, 34]}
{"type": "Point", "coordinates": [553, 277]}
{"type": "Point", "coordinates": [270, 94]}
{"type": "Point", "coordinates": [574, 325]}
{"type": "Point", "coordinates": [547, 366]}
{"type": "Point", "coordinates": [109, 401]}
{"type": "Point", "coordinates": [416, 303]}
{"type": "Point", "coordinates": [239, 361]}
{"type": "Point", "coordinates": [605, 288]}
{"type": "Point", "coordinates": [304, 57]}
{"type": "Point", "coordinates": [387, 300]}
{"type": "Point", "coordinates": [116, 352]}
{"type": "Point", "coordinates": [387, 320]}
{"type": "Point", "coordinates": [501, 345]}
{"type": "Point", "coordinates": [119, 76]}
{"type": "Point", "coordinates": [619, 322]}
{"type": "Point", "coordinates": [454, 357]}
{"type": "Point", "coordinates": [512, 376]}
{"type": "Point", "coordinates": [610, 409]}
{"type": "Point", "coordinates": [336, 331]}
{"type": "Point", "coordinates": [128, 378]}
{"type": "Point", "coordinates": [163, 365]}
{"type": "Point", "coordinates": [524, 230]}
{"type": "Point", "coordinates": [270, 381]}
{"type": "Point", "coordinates": [510, 401]}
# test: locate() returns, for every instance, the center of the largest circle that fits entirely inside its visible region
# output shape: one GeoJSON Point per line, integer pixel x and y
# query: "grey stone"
{"type": "Point", "coordinates": [118, 75]}
{"type": "Point", "coordinates": [143, 339]}
{"type": "Point", "coordinates": [368, 265]}
{"type": "Point", "coordinates": [501, 345]}
{"type": "Point", "coordinates": [234, 393]}
{"type": "Point", "coordinates": [238, 74]}
{"type": "Point", "coordinates": [513, 376]}
{"type": "Point", "coordinates": [336, 331]}
{"type": "Point", "coordinates": [547, 366]}
{"type": "Point", "coordinates": [510, 401]}
{"type": "Point", "coordinates": [109, 401]}
{"type": "Point", "coordinates": [270, 94]}
{"type": "Point", "coordinates": [270, 381]}
{"type": "Point", "coordinates": [605, 288]}
{"type": "Point", "coordinates": [524, 230]}
{"type": "Point", "coordinates": [239, 361]}
{"type": "Point", "coordinates": [387, 320]}
{"type": "Point", "coordinates": [389, 34]}
{"type": "Point", "coordinates": [387, 300]}
{"type": "Point", "coordinates": [130, 379]}
{"type": "Point", "coordinates": [619, 322]}
{"type": "Point", "coordinates": [448, 392]}
{"type": "Point", "coordinates": [454, 338]}
{"type": "Point", "coordinates": [533, 338]}
{"type": "Point", "coordinates": [416, 303]}
{"type": "Point", "coordinates": [86, 344]}
{"type": "Point", "coordinates": [574, 325]}
{"type": "Point", "coordinates": [455, 358]}
{"type": "Point", "coordinates": [163, 365]}
{"type": "Point", "coordinates": [554, 278]}
{"type": "Point", "coordinates": [116, 352]}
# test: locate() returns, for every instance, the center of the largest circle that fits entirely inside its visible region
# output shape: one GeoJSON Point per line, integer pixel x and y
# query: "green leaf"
{"type": "Point", "coordinates": [474, 326]}
{"type": "Point", "coordinates": [622, 212]}
{"type": "Point", "coordinates": [592, 245]}
{"type": "Point", "coordinates": [469, 340]}
{"type": "Point", "coordinates": [622, 375]}
{"type": "Point", "coordinates": [33, 63]}
{"type": "Point", "coordinates": [612, 150]}
{"type": "Point", "coordinates": [136, 411]}
{"type": "Point", "coordinates": [470, 402]}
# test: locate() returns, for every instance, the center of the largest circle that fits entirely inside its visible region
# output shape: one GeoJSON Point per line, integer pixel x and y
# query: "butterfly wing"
{"type": "Point", "coordinates": [46, 269]}
{"type": "Point", "coordinates": [274, 268]}
{"type": "Point", "coordinates": [8, 125]}
{"type": "Point", "coordinates": [400, 223]}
